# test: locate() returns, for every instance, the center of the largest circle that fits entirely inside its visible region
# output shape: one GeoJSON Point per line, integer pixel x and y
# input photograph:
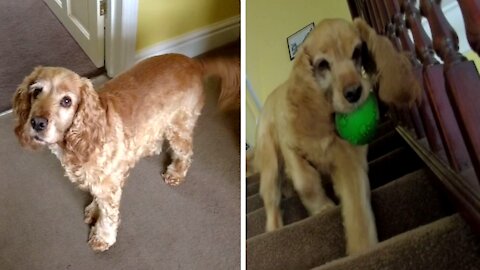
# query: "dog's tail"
{"type": "Point", "coordinates": [228, 69]}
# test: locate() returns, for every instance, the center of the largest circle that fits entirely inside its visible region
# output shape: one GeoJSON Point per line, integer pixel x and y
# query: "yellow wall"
{"type": "Point", "coordinates": [160, 20]}
{"type": "Point", "coordinates": [269, 23]}
{"type": "Point", "coordinates": [471, 55]}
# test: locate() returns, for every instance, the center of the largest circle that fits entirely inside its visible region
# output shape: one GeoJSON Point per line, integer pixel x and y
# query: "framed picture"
{"type": "Point", "coordinates": [294, 41]}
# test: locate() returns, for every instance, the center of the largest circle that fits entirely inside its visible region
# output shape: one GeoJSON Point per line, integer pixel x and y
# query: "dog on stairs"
{"type": "Point", "coordinates": [334, 71]}
{"type": "Point", "coordinates": [99, 136]}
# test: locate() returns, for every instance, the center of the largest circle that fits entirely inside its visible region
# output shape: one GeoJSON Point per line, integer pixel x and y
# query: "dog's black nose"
{"type": "Point", "coordinates": [353, 93]}
{"type": "Point", "coordinates": [39, 123]}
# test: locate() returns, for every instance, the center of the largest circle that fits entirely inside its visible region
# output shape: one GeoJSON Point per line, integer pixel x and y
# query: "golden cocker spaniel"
{"type": "Point", "coordinates": [99, 136]}
{"type": "Point", "coordinates": [333, 71]}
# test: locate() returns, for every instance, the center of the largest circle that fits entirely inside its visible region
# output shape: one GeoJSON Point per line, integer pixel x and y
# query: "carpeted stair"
{"type": "Point", "coordinates": [418, 228]}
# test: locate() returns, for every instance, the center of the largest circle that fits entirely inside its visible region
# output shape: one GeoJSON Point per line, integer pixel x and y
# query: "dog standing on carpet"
{"type": "Point", "coordinates": [99, 136]}
{"type": "Point", "coordinates": [334, 71]}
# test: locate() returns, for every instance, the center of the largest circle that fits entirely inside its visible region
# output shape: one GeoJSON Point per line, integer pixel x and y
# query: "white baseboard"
{"type": "Point", "coordinates": [196, 42]}
{"type": "Point", "coordinates": [6, 112]}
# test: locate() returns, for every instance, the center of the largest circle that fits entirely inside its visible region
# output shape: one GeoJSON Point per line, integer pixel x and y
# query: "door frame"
{"type": "Point", "coordinates": [120, 35]}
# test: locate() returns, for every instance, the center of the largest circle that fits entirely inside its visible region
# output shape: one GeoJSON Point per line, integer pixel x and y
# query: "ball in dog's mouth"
{"type": "Point", "coordinates": [359, 127]}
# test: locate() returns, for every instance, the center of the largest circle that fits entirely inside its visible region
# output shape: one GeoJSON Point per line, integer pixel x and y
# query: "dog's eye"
{"type": "Point", "coordinates": [36, 91]}
{"type": "Point", "coordinates": [357, 55]}
{"type": "Point", "coordinates": [66, 102]}
{"type": "Point", "coordinates": [323, 65]}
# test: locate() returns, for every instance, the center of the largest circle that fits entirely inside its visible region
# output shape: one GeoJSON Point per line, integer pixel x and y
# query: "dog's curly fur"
{"type": "Point", "coordinates": [296, 132]}
{"type": "Point", "coordinates": [99, 136]}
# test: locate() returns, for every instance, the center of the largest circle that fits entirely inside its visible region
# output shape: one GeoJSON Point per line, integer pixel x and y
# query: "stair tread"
{"type": "Point", "coordinates": [318, 239]}
{"type": "Point", "coordinates": [447, 243]}
{"type": "Point", "coordinates": [384, 144]}
{"type": "Point", "coordinates": [252, 189]}
{"type": "Point", "coordinates": [292, 208]}
{"type": "Point", "coordinates": [381, 171]}
{"type": "Point", "coordinates": [386, 168]}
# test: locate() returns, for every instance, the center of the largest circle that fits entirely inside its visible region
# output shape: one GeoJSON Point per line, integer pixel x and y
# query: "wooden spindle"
{"type": "Point", "coordinates": [352, 6]}
{"type": "Point", "coordinates": [367, 12]}
{"type": "Point", "coordinates": [402, 31]}
{"type": "Point", "coordinates": [423, 44]}
{"type": "Point", "coordinates": [380, 19]}
{"type": "Point", "coordinates": [450, 134]}
{"type": "Point", "coordinates": [428, 120]}
{"type": "Point", "coordinates": [462, 87]}
{"type": "Point", "coordinates": [373, 15]}
{"type": "Point", "coordinates": [361, 8]}
{"type": "Point", "coordinates": [445, 40]}
{"type": "Point", "coordinates": [427, 127]}
{"type": "Point", "coordinates": [417, 122]}
{"type": "Point", "coordinates": [471, 16]}
{"type": "Point", "coordinates": [388, 10]}
{"type": "Point", "coordinates": [383, 14]}
{"type": "Point", "coordinates": [392, 35]}
{"type": "Point", "coordinates": [461, 78]}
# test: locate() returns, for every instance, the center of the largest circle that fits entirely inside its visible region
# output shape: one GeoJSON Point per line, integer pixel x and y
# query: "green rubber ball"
{"type": "Point", "coordinates": [359, 127]}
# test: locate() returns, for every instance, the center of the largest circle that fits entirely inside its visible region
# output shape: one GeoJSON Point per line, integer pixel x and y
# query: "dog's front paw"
{"type": "Point", "coordinates": [98, 243]}
{"type": "Point", "coordinates": [172, 180]}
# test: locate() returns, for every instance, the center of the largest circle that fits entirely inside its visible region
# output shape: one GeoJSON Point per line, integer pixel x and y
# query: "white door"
{"type": "Point", "coordinates": [84, 19]}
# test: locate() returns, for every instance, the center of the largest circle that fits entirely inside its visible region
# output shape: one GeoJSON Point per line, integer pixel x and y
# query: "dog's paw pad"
{"type": "Point", "coordinates": [172, 180]}
{"type": "Point", "coordinates": [88, 219]}
{"type": "Point", "coordinates": [97, 244]}
{"type": "Point", "coordinates": [91, 214]}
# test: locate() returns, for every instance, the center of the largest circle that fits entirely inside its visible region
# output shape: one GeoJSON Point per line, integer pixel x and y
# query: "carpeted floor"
{"type": "Point", "coordinates": [193, 226]}
{"type": "Point", "coordinates": [32, 36]}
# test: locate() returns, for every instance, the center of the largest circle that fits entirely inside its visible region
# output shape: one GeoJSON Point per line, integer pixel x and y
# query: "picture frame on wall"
{"type": "Point", "coordinates": [295, 40]}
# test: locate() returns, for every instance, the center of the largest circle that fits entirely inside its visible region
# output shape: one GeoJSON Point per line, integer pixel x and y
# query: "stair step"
{"type": "Point", "coordinates": [385, 144]}
{"type": "Point", "coordinates": [404, 204]}
{"type": "Point", "coordinates": [392, 166]}
{"type": "Point", "coordinates": [381, 171]}
{"type": "Point", "coordinates": [448, 243]}
{"type": "Point", "coordinates": [254, 187]}
{"type": "Point", "coordinates": [385, 127]}
{"type": "Point", "coordinates": [293, 209]}
{"type": "Point", "coordinates": [254, 202]}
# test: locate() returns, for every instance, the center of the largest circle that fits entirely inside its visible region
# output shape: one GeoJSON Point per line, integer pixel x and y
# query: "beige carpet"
{"type": "Point", "coordinates": [193, 226]}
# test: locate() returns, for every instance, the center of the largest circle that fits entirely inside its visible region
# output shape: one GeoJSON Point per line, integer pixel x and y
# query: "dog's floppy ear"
{"type": "Point", "coordinates": [22, 104]}
{"type": "Point", "coordinates": [87, 132]}
{"type": "Point", "coordinates": [391, 69]}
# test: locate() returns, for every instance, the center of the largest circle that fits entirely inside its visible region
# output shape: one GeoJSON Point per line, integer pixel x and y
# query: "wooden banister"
{"type": "Point", "coordinates": [471, 16]}
{"type": "Point", "coordinates": [434, 80]}
{"type": "Point", "coordinates": [448, 114]}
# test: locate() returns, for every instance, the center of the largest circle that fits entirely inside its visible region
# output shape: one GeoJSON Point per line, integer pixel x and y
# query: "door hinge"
{"type": "Point", "coordinates": [103, 7]}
